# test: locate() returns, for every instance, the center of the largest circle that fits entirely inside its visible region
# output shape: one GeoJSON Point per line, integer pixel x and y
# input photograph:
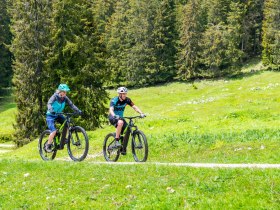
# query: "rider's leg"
{"type": "Point", "coordinates": [118, 132]}
{"type": "Point", "coordinates": [51, 126]}
{"type": "Point", "coordinates": [51, 136]}
{"type": "Point", "coordinates": [119, 128]}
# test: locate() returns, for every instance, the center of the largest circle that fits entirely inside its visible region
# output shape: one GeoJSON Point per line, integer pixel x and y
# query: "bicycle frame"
{"type": "Point", "coordinates": [129, 130]}
{"type": "Point", "coordinates": [60, 138]}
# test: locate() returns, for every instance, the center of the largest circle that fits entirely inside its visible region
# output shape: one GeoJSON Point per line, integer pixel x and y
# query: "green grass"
{"type": "Point", "coordinates": [68, 185]}
{"type": "Point", "coordinates": [230, 120]}
{"type": "Point", "coordinates": [7, 118]}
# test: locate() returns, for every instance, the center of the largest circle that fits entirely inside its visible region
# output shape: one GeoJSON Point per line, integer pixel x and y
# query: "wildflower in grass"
{"type": "Point", "coordinates": [26, 175]}
{"type": "Point", "coordinates": [170, 190]}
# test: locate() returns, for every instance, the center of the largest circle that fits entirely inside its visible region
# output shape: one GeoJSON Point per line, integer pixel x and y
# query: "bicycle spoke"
{"type": "Point", "coordinates": [110, 152]}
{"type": "Point", "coordinates": [139, 147]}
{"type": "Point", "coordinates": [42, 145]}
{"type": "Point", "coordinates": [78, 144]}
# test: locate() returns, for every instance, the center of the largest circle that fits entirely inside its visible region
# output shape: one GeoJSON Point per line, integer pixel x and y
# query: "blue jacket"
{"type": "Point", "coordinates": [57, 104]}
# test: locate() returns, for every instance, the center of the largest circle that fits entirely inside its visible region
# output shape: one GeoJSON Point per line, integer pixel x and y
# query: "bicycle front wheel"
{"type": "Point", "coordinates": [139, 146]}
{"type": "Point", "coordinates": [78, 144]}
{"type": "Point", "coordinates": [110, 153]}
{"type": "Point", "coordinates": [43, 140]}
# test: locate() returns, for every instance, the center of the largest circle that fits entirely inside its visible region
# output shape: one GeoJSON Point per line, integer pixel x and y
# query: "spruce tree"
{"type": "Point", "coordinates": [117, 43]}
{"type": "Point", "coordinates": [191, 31]}
{"type": "Point", "coordinates": [235, 34]}
{"type": "Point", "coordinates": [5, 41]}
{"type": "Point", "coordinates": [271, 33]}
{"type": "Point", "coordinates": [31, 31]}
{"type": "Point", "coordinates": [151, 34]}
{"type": "Point", "coordinates": [252, 25]}
{"type": "Point", "coordinates": [214, 42]}
{"type": "Point", "coordinates": [76, 58]}
{"type": "Point", "coordinates": [163, 42]}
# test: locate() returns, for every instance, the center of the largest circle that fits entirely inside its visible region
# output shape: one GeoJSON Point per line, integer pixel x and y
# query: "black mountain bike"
{"type": "Point", "coordinates": [139, 144]}
{"type": "Point", "coordinates": [74, 136]}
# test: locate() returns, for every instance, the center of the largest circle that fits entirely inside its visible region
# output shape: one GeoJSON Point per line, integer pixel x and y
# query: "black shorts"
{"type": "Point", "coordinates": [114, 122]}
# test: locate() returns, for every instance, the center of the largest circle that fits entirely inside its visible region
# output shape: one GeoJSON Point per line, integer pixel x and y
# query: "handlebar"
{"type": "Point", "coordinates": [68, 114]}
{"type": "Point", "coordinates": [133, 117]}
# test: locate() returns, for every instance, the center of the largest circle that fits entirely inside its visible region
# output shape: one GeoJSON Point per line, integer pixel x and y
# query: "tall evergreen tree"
{"type": "Point", "coordinates": [102, 11]}
{"type": "Point", "coordinates": [163, 42]}
{"type": "Point", "coordinates": [77, 58]}
{"type": "Point", "coordinates": [141, 41]}
{"type": "Point", "coordinates": [271, 33]}
{"type": "Point", "coordinates": [191, 32]}
{"type": "Point", "coordinates": [139, 54]}
{"type": "Point", "coordinates": [214, 41]}
{"type": "Point", "coordinates": [252, 25]}
{"type": "Point", "coordinates": [236, 34]}
{"type": "Point", "coordinates": [31, 32]}
{"type": "Point", "coordinates": [5, 40]}
{"type": "Point", "coordinates": [117, 42]}
{"type": "Point", "coordinates": [151, 30]}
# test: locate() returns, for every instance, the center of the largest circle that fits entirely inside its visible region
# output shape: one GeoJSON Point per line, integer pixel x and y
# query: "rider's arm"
{"type": "Point", "coordinates": [50, 102]}
{"type": "Point", "coordinates": [70, 103]}
{"type": "Point", "coordinates": [137, 109]}
{"type": "Point", "coordinates": [111, 111]}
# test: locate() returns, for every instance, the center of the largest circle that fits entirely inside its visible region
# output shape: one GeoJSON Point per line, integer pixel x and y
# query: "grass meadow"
{"type": "Point", "coordinates": [228, 120]}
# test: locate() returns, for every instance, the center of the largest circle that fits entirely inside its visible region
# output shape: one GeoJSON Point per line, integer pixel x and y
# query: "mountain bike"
{"type": "Point", "coordinates": [139, 144]}
{"type": "Point", "coordinates": [74, 136]}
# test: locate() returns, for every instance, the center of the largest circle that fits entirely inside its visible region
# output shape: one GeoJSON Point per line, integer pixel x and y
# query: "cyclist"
{"type": "Point", "coordinates": [116, 110]}
{"type": "Point", "coordinates": [56, 104]}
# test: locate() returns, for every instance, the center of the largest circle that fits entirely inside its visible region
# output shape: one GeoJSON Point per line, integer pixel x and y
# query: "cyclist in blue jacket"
{"type": "Point", "coordinates": [116, 110]}
{"type": "Point", "coordinates": [56, 104]}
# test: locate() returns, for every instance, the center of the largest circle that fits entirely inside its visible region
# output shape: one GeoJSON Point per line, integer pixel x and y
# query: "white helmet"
{"type": "Point", "coordinates": [122, 90]}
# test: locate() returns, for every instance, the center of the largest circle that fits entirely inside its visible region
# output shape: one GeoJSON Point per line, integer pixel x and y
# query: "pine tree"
{"type": "Point", "coordinates": [117, 43]}
{"type": "Point", "coordinates": [5, 41]}
{"type": "Point", "coordinates": [252, 25]}
{"type": "Point", "coordinates": [31, 31]}
{"type": "Point", "coordinates": [236, 34]}
{"type": "Point", "coordinates": [191, 32]}
{"type": "Point", "coordinates": [77, 58]}
{"type": "Point", "coordinates": [271, 33]}
{"type": "Point", "coordinates": [214, 42]}
{"type": "Point", "coordinates": [141, 42]}
{"type": "Point", "coordinates": [163, 42]}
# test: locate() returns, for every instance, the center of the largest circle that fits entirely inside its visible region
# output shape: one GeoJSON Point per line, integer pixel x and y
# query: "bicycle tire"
{"type": "Point", "coordinates": [41, 146]}
{"type": "Point", "coordinates": [139, 146]}
{"type": "Point", "coordinates": [78, 144]}
{"type": "Point", "coordinates": [110, 154]}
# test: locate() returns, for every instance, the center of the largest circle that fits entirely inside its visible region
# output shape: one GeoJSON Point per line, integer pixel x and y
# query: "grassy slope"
{"type": "Point", "coordinates": [7, 115]}
{"type": "Point", "coordinates": [227, 120]}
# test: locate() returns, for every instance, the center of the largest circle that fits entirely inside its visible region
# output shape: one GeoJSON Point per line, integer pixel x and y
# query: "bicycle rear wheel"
{"type": "Point", "coordinates": [78, 144]}
{"type": "Point", "coordinates": [110, 153]}
{"type": "Point", "coordinates": [43, 140]}
{"type": "Point", "coordinates": [139, 146]}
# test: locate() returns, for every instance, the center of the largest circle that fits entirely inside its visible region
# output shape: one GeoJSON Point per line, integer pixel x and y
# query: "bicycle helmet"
{"type": "Point", "coordinates": [63, 87]}
{"type": "Point", "coordinates": [122, 90]}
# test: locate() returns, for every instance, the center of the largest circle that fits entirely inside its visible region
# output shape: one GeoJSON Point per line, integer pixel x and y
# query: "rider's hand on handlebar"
{"type": "Point", "coordinates": [117, 117]}
{"type": "Point", "coordinates": [142, 115]}
{"type": "Point", "coordinates": [79, 112]}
